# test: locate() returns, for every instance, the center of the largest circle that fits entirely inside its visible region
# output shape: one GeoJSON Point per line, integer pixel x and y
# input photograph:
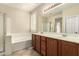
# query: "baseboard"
{"type": "Point", "coordinates": [21, 45]}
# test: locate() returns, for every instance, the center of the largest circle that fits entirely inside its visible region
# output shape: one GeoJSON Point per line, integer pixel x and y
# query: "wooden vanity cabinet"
{"type": "Point", "coordinates": [69, 49]}
{"type": "Point", "coordinates": [34, 41]}
{"type": "Point", "coordinates": [54, 47]}
{"type": "Point", "coordinates": [43, 45]}
{"type": "Point", "coordinates": [38, 41]}
{"type": "Point", "coordinates": [51, 47]}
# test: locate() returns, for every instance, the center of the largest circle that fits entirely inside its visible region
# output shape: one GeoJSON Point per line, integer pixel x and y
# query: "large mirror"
{"type": "Point", "coordinates": [64, 21]}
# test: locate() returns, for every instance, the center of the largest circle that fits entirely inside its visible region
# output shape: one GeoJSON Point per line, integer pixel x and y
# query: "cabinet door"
{"type": "Point", "coordinates": [69, 49]}
{"type": "Point", "coordinates": [43, 45]}
{"type": "Point", "coordinates": [51, 47]}
{"type": "Point", "coordinates": [78, 49]}
{"type": "Point", "coordinates": [59, 47]}
{"type": "Point", "coordinates": [33, 41]}
{"type": "Point", "coordinates": [38, 43]}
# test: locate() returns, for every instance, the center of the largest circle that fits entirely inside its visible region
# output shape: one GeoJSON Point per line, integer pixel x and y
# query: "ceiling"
{"type": "Point", "coordinates": [23, 6]}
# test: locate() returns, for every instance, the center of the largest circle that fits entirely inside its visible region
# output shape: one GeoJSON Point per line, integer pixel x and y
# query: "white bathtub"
{"type": "Point", "coordinates": [20, 37]}
{"type": "Point", "coordinates": [20, 41]}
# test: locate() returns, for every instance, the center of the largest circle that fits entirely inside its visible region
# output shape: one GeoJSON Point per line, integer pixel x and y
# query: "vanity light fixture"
{"type": "Point", "coordinates": [52, 6]}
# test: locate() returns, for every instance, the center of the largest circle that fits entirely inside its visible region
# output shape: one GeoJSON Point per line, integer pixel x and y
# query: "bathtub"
{"type": "Point", "coordinates": [20, 41]}
{"type": "Point", "coordinates": [20, 37]}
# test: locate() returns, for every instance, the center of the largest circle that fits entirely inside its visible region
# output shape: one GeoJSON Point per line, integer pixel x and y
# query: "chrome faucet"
{"type": "Point", "coordinates": [64, 35]}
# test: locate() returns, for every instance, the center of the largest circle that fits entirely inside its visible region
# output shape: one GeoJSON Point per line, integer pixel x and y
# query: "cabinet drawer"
{"type": "Point", "coordinates": [43, 52]}
{"type": "Point", "coordinates": [38, 48]}
{"type": "Point", "coordinates": [38, 43]}
{"type": "Point", "coordinates": [37, 37]}
{"type": "Point", "coordinates": [43, 47]}
{"type": "Point", "coordinates": [68, 43]}
{"type": "Point", "coordinates": [43, 38]}
{"type": "Point", "coordinates": [43, 43]}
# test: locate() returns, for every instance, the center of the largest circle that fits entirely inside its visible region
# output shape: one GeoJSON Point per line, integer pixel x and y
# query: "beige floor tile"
{"type": "Point", "coordinates": [25, 52]}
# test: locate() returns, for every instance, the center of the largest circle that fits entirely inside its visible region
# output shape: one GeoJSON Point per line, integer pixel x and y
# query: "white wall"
{"type": "Point", "coordinates": [17, 24]}
{"type": "Point", "coordinates": [20, 22]}
{"type": "Point", "coordinates": [17, 20]}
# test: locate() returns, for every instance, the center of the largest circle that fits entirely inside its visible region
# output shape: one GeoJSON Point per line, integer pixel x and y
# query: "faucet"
{"type": "Point", "coordinates": [64, 35]}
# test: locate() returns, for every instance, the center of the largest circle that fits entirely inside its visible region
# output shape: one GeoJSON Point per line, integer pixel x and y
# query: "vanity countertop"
{"type": "Point", "coordinates": [60, 37]}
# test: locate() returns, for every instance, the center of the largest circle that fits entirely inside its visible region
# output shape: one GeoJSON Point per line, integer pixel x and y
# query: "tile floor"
{"type": "Point", "coordinates": [25, 52]}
